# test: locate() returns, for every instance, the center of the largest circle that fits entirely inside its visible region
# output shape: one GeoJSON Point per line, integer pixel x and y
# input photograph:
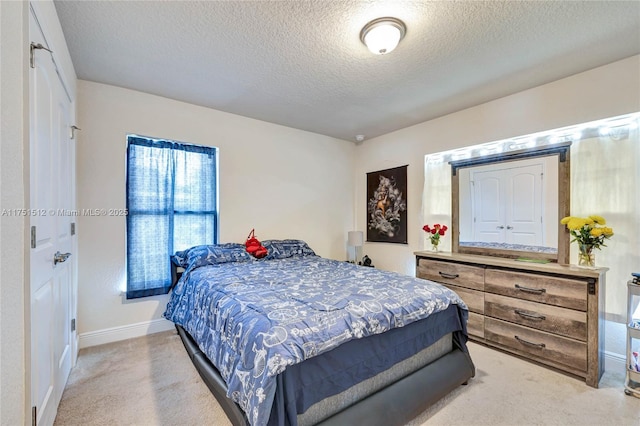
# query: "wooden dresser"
{"type": "Point", "coordinates": [547, 313]}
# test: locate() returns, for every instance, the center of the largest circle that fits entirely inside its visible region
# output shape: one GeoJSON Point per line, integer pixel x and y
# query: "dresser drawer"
{"type": "Point", "coordinates": [474, 299]}
{"type": "Point", "coordinates": [566, 322]}
{"type": "Point", "coordinates": [557, 291]}
{"type": "Point", "coordinates": [536, 344]}
{"type": "Point", "coordinates": [475, 325]}
{"type": "Point", "coordinates": [451, 273]}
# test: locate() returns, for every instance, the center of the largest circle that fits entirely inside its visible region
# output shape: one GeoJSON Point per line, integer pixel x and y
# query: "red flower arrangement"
{"type": "Point", "coordinates": [436, 232]}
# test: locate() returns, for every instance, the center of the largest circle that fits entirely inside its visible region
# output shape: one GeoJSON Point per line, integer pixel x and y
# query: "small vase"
{"type": "Point", "coordinates": [586, 256]}
{"type": "Point", "coordinates": [434, 247]}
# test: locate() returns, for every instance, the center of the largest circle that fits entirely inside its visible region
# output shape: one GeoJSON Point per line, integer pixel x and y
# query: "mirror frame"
{"type": "Point", "coordinates": [562, 151]}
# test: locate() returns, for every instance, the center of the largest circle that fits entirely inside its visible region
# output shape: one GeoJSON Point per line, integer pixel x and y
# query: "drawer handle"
{"type": "Point", "coordinates": [528, 315]}
{"type": "Point", "coordinates": [450, 276]}
{"type": "Point", "coordinates": [531, 290]}
{"type": "Point", "coordinates": [526, 342]}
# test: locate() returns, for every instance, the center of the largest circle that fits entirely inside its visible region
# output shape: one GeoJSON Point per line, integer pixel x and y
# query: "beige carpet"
{"type": "Point", "coordinates": [151, 381]}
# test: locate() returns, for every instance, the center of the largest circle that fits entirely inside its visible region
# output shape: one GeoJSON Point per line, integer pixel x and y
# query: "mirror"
{"type": "Point", "coordinates": [510, 204]}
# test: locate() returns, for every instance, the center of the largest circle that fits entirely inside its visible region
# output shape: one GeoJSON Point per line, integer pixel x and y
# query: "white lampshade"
{"type": "Point", "coordinates": [355, 238]}
{"type": "Point", "coordinates": [382, 35]}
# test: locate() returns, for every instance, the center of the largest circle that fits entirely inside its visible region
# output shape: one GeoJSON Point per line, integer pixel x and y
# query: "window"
{"type": "Point", "coordinates": [172, 203]}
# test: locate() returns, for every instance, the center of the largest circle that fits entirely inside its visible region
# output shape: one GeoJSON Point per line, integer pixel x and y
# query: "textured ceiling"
{"type": "Point", "coordinates": [301, 63]}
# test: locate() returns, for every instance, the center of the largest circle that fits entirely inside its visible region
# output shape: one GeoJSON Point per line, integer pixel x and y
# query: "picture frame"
{"type": "Point", "coordinates": [387, 205]}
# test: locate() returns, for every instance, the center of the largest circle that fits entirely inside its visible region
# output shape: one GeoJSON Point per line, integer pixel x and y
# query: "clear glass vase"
{"type": "Point", "coordinates": [586, 256]}
{"type": "Point", "coordinates": [434, 242]}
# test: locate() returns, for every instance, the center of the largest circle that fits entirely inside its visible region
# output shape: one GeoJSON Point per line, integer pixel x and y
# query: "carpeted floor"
{"type": "Point", "coordinates": [151, 381]}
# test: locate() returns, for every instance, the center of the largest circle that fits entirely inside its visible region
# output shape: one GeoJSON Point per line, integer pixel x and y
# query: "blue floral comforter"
{"type": "Point", "coordinates": [254, 318]}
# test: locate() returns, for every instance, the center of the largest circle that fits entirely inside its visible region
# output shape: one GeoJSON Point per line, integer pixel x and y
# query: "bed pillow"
{"type": "Point", "coordinates": [211, 255]}
{"type": "Point", "coordinates": [282, 249]}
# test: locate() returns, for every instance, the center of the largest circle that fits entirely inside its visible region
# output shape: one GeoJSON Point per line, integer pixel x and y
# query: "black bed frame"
{"type": "Point", "coordinates": [394, 405]}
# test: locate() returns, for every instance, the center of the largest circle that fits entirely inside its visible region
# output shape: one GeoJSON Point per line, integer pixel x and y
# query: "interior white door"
{"type": "Point", "coordinates": [52, 185]}
{"type": "Point", "coordinates": [508, 205]}
{"type": "Point", "coordinates": [488, 201]}
{"type": "Point", "coordinates": [524, 206]}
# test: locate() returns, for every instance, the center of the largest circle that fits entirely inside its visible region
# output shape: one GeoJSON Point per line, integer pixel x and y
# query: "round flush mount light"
{"type": "Point", "coordinates": [382, 35]}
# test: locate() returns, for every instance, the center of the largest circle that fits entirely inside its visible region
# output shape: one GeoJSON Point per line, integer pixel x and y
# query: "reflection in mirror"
{"type": "Point", "coordinates": [509, 205]}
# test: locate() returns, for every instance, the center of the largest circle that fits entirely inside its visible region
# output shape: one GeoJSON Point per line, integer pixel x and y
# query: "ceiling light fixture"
{"type": "Point", "coordinates": [382, 35]}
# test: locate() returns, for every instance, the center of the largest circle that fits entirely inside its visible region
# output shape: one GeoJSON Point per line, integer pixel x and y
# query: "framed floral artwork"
{"type": "Point", "coordinates": [387, 206]}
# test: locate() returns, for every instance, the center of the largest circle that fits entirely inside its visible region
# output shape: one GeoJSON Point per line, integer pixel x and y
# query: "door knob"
{"type": "Point", "coordinates": [509, 227]}
{"type": "Point", "coordinates": [60, 257]}
{"type": "Point", "coordinates": [500, 227]}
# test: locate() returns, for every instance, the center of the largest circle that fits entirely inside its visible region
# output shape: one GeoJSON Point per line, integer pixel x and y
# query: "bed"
{"type": "Point", "coordinates": [297, 339]}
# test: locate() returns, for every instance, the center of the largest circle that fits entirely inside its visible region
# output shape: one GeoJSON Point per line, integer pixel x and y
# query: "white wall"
{"type": "Point", "coordinates": [603, 92]}
{"type": "Point", "coordinates": [14, 388]}
{"type": "Point", "coordinates": [286, 183]}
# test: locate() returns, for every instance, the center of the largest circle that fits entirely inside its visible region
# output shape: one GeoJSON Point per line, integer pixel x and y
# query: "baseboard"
{"type": "Point", "coordinates": [129, 331]}
{"type": "Point", "coordinates": [615, 363]}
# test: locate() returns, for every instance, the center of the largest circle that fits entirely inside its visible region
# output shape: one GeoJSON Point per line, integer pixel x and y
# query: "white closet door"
{"type": "Point", "coordinates": [52, 178]}
{"type": "Point", "coordinates": [508, 205]}
{"type": "Point", "coordinates": [488, 202]}
{"type": "Point", "coordinates": [524, 207]}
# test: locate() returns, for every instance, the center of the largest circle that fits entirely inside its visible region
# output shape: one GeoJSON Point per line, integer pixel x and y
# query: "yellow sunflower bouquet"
{"type": "Point", "coordinates": [589, 233]}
